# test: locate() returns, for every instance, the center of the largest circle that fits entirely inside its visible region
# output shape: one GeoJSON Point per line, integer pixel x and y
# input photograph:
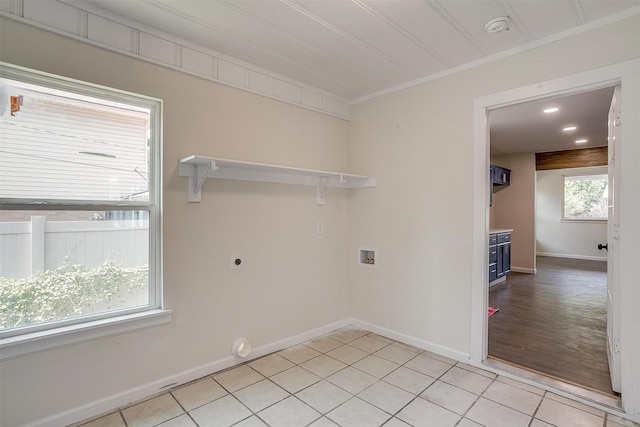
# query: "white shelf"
{"type": "Point", "coordinates": [199, 168]}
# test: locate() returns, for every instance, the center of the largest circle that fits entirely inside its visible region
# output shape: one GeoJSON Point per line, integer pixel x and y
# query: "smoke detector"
{"type": "Point", "coordinates": [497, 25]}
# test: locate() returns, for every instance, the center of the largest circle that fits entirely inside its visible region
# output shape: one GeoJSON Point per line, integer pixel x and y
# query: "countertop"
{"type": "Point", "coordinates": [500, 230]}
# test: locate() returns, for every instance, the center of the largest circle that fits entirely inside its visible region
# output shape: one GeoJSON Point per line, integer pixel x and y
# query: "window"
{"type": "Point", "coordinates": [585, 197]}
{"type": "Point", "coordinates": [80, 193]}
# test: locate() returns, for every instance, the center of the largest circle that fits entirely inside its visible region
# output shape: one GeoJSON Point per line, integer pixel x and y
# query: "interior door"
{"type": "Point", "coordinates": [613, 230]}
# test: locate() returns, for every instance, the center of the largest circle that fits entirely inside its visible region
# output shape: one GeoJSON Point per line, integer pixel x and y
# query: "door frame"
{"type": "Point", "coordinates": [626, 74]}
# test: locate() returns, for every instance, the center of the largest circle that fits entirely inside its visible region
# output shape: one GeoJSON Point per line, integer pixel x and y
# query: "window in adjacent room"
{"type": "Point", "coordinates": [585, 197]}
{"type": "Point", "coordinates": [80, 198]}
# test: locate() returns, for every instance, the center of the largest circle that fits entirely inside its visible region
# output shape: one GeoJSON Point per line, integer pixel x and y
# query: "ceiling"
{"type": "Point", "coordinates": [355, 49]}
{"type": "Point", "coordinates": [525, 128]}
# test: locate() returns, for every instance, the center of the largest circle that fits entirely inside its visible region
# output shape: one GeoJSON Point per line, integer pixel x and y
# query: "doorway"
{"type": "Point", "coordinates": [628, 75]}
{"type": "Point", "coordinates": [552, 316]}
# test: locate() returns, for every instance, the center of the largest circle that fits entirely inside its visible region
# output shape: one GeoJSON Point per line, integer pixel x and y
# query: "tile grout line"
{"type": "Point", "coordinates": [533, 417]}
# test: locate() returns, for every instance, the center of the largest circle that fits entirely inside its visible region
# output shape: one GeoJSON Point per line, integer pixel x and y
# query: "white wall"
{"type": "Point", "coordinates": [294, 280]}
{"type": "Point", "coordinates": [568, 239]}
{"type": "Point", "coordinates": [418, 142]}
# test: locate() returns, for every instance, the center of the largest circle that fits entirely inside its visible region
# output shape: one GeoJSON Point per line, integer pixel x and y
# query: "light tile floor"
{"type": "Point", "coordinates": [354, 378]}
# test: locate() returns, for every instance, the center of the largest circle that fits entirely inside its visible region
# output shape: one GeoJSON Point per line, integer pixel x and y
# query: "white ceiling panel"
{"type": "Point", "coordinates": [371, 32]}
{"type": "Point", "coordinates": [536, 19]}
{"type": "Point", "coordinates": [596, 9]}
{"type": "Point", "coordinates": [429, 29]}
{"type": "Point", "coordinates": [472, 16]}
{"type": "Point", "coordinates": [355, 49]}
{"type": "Point", "coordinates": [318, 38]}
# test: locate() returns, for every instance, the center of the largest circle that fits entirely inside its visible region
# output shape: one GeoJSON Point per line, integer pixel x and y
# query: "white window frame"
{"type": "Point", "coordinates": [41, 337]}
{"type": "Point", "coordinates": [564, 218]}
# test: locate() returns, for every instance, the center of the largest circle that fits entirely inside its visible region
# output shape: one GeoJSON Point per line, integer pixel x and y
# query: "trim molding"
{"type": "Point", "coordinates": [408, 339]}
{"type": "Point", "coordinates": [98, 408]}
{"type": "Point", "coordinates": [149, 45]}
{"type": "Point", "coordinates": [572, 256]}
{"type": "Point", "coordinates": [43, 340]}
{"type": "Point", "coordinates": [524, 270]}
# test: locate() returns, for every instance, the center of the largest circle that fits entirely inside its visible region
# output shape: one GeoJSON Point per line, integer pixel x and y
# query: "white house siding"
{"type": "Point", "coordinates": [43, 149]}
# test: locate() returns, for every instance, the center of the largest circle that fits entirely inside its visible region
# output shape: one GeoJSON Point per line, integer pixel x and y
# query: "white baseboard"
{"type": "Point", "coordinates": [572, 256]}
{"type": "Point", "coordinates": [111, 403]}
{"type": "Point", "coordinates": [524, 270]}
{"type": "Point", "coordinates": [416, 342]}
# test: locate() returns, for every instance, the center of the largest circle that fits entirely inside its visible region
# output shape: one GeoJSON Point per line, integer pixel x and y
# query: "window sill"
{"type": "Point", "coordinates": [29, 343]}
{"type": "Point", "coordinates": [584, 220]}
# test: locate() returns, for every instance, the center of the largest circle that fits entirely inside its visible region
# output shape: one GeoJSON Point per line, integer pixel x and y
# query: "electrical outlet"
{"type": "Point", "coordinates": [237, 261]}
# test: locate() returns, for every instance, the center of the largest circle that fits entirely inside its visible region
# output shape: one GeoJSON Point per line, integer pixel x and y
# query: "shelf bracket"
{"type": "Point", "coordinates": [197, 178]}
{"type": "Point", "coordinates": [320, 191]}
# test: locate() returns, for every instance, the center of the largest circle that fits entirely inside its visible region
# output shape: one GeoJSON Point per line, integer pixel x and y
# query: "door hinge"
{"type": "Point", "coordinates": [616, 345]}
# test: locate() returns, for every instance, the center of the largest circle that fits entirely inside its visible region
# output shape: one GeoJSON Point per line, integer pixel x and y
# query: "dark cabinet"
{"type": "Point", "coordinates": [500, 176]}
{"type": "Point", "coordinates": [499, 257]}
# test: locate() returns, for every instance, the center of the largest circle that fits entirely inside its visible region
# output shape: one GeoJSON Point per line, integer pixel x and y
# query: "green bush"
{"type": "Point", "coordinates": [70, 290]}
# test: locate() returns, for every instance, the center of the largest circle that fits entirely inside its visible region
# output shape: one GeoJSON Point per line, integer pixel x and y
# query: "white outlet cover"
{"type": "Point", "coordinates": [234, 265]}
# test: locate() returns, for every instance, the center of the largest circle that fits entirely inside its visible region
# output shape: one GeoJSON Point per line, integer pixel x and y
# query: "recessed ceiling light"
{"type": "Point", "coordinates": [580, 141]}
{"type": "Point", "coordinates": [570, 128]}
{"type": "Point", "coordinates": [551, 110]}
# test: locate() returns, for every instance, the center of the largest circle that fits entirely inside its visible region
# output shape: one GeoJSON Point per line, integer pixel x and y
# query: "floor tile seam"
{"type": "Point", "coordinates": [86, 421]}
{"type": "Point", "coordinates": [394, 369]}
{"type": "Point", "coordinates": [419, 397]}
{"type": "Point", "coordinates": [164, 393]}
{"type": "Point", "coordinates": [454, 385]}
{"type": "Point", "coordinates": [506, 405]}
{"type": "Point", "coordinates": [320, 379]}
{"type": "Point", "coordinates": [355, 396]}
{"type": "Point", "coordinates": [348, 364]}
{"type": "Point", "coordinates": [123, 419]}
{"type": "Point", "coordinates": [324, 378]}
{"type": "Point", "coordinates": [257, 414]}
{"type": "Point", "coordinates": [274, 403]}
{"type": "Point", "coordinates": [440, 406]}
{"type": "Point", "coordinates": [459, 365]}
{"type": "Point", "coordinates": [393, 414]}
{"type": "Point", "coordinates": [249, 409]}
{"type": "Point", "coordinates": [401, 364]}
{"type": "Point", "coordinates": [575, 407]}
{"type": "Point", "coordinates": [535, 413]}
{"type": "Point", "coordinates": [206, 403]}
{"type": "Point", "coordinates": [375, 337]}
{"type": "Point", "coordinates": [395, 385]}
{"type": "Point", "coordinates": [479, 396]}
{"type": "Point", "coordinates": [242, 388]}
{"type": "Point", "coordinates": [187, 413]}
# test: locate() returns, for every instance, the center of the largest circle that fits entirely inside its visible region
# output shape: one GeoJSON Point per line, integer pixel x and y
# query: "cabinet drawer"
{"type": "Point", "coordinates": [493, 255]}
{"type": "Point", "coordinates": [493, 273]}
{"type": "Point", "coordinates": [504, 237]}
{"type": "Point", "coordinates": [493, 239]}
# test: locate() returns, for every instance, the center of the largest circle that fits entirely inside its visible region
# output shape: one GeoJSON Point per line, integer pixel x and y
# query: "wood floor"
{"type": "Point", "coordinates": [554, 322]}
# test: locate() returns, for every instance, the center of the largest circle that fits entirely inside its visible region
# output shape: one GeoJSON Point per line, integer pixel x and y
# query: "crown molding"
{"type": "Point", "coordinates": [127, 37]}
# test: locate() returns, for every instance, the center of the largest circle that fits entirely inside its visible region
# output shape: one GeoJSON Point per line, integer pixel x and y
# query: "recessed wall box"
{"type": "Point", "coordinates": [367, 257]}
